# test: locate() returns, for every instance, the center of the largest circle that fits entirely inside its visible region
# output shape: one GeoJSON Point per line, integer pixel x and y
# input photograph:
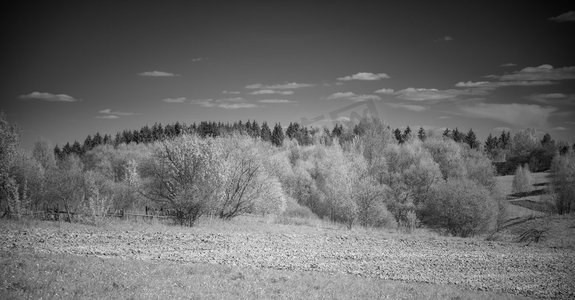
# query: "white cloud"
{"type": "Point", "coordinates": [423, 94]}
{"type": "Point", "coordinates": [352, 96]}
{"type": "Point", "coordinates": [108, 111]}
{"type": "Point", "coordinates": [108, 117]}
{"type": "Point", "coordinates": [564, 17]}
{"type": "Point", "coordinates": [175, 100]}
{"type": "Point", "coordinates": [521, 115]}
{"type": "Point", "coordinates": [236, 105]}
{"type": "Point", "coordinates": [540, 73]}
{"type": "Point", "coordinates": [411, 107]}
{"type": "Point", "coordinates": [385, 91]}
{"type": "Point", "coordinates": [227, 103]}
{"type": "Point", "coordinates": [446, 38]}
{"type": "Point", "coordinates": [157, 74]}
{"type": "Point", "coordinates": [197, 59]}
{"type": "Point", "coordinates": [559, 128]}
{"type": "Point", "coordinates": [271, 92]}
{"type": "Point", "coordinates": [365, 76]}
{"type": "Point", "coordinates": [341, 95]}
{"type": "Point", "coordinates": [276, 101]}
{"type": "Point", "coordinates": [553, 99]}
{"type": "Point", "coordinates": [231, 92]}
{"type": "Point", "coordinates": [280, 86]}
{"type": "Point", "coordinates": [508, 65]}
{"type": "Point", "coordinates": [49, 97]}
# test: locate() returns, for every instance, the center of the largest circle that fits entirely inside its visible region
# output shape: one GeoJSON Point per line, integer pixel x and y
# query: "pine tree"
{"type": "Point", "coordinates": [398, 136]}
{"type": "Point", "coordinates": [421, 134]}
{"type": "Point", "coordinates": [457, 135]}
{"type": "Point", "coordinates": [471, 139]}
{"type": "Point", "coordinates": [256, 130]}
{"type": "Point", "coordinates": [88, 143]}
{"type": "Point", "coordinates": [265, 132]}
{"type": "Point", "coordinates": [505, 140]}
{"type": "Point", "coordinates": [447, 134]}
{"type": "Point", "coordinates": [491, 145]}
{"type": "Point", "coordinates": [277, 135]}
{"type": "Point", "coordinates": [337, 130]}
{"type": "Point", "coordinates": [97, 140]}
{"type": "Point", "coordinates": [58, 153]}
{"type": "Point", "coordinates": [77, 149]}
{"type": "Point", "coordinates": [406, 134]}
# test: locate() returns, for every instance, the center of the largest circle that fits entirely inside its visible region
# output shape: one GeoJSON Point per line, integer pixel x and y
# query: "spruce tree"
{"type": "Point", "coordinates": [398, 136]}
{"type": "Point", "coordinates": [277, 135]}
{"type": "Point", "coordinates": [471, 139]}
{"type": "Point", "coordinates": [421, 134]}
{"type": "Point", "coordinates": [265, 132]}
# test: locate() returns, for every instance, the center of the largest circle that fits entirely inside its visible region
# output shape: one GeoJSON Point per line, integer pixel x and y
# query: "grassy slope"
{"type": "Point", "coordinates": [34, 275]}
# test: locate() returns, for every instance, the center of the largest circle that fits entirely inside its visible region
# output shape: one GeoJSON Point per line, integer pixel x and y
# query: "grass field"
{"type": "Point", "coordinates": [254, 257]}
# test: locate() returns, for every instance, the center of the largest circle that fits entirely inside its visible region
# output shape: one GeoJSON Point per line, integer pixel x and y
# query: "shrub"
{"type": "Point", "coordinates": [449, 155]}
{"type": "Point", "coordinates": [480, 169]}
{"type": "Point", "coordinates": [459, 207]}
{"type": "Point", "coordinates": [185, 175]}
{"type": "Point", "coordinates": [563, 182]}
{"type": "Point", "coordinates": [65, 184]}
{"type": "Point", "coordinates": [371, 199]}
{"type": "Point", "coordinates": [522, 180]}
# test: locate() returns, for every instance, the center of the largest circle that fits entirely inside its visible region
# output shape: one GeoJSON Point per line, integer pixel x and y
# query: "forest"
{"type": "Point", "coordinates": [365, 174]}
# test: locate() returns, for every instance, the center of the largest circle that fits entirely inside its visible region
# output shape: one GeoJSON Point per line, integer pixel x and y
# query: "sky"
{"type": "Point", "coordinates": [73, 68]}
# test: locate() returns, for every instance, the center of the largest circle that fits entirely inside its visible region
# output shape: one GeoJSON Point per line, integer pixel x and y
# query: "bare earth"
{"type": "Point", "coordinates": [527, 270]}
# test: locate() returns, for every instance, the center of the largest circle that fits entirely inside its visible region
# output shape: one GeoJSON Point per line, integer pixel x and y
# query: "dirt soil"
{"type": "Point", "coordinates": [532, 271]}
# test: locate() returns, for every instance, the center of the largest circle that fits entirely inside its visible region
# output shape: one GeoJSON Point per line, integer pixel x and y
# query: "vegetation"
{"type": "Point", "coordinates": [362, 174]}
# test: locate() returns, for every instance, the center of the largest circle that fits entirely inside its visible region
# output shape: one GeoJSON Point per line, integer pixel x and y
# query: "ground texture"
{"type": "Point", "coordinates": [529, 270]}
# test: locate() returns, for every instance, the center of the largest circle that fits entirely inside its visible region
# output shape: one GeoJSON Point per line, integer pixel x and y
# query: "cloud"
{"type": "Point", "coordinates": [175, 100]}
{"type": "Point", "coordinates": [365, 76]}
{"type": "Point", "coordinates": [197, 59]}
{"type": "Point", "coordinates": [553, 99]}
{"type": "Point", "coordinates": [446, 38]}
{"type": "Point", "coordinates": [559, 128]}
{"type": "Point", "coordinates": [352, 96]}
{"type": "Point", "coordinates": [540, 73]}
{"type": "Point", "coordinates": [236, 105]}
{"type": "Point", "coordinates": [564, 17]}
{"type": "Point", "coordinates": [49, 97]}
{"type": "Point", "coordinates": [271, 92]}
{"type": "Point", "coordinates": [423, 94]}
{"type": "Point", "coordinates": [108, 111]}
{"type": "Point", "coordinates": [520, 115]}
{"type": "Point", "coordinates": [280, 86]}
{"type": "Point", "coordinates": [157, 74]}
{"type": "Point", "coordinates": [110, 115]}
{"type": "Point", "coordinates": [385, 91]}
{"type": "Point", "coordinates": [411, 107]}
{"type": "Point", "coordinates": [276, 101]}
{"type": "Point", "coordinates": [231, 92]}
{"type": "Point", "coordinates": [508, 65]}
{"type": "Point", "coordinates": [226, 103]}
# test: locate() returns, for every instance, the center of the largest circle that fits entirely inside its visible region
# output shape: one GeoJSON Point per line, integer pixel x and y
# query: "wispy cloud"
{"type": "Point", "coordinates": [559, 128]}
{"type": "Point", "coordinates": [423, 94]}
{"type": "Point", "coordinates": [175, 100]}
{"type": "Point", "coordinates": [279, 86]}
{"type": "Point", "coordinates": [411, 107]}
{"type": "Point", "coordinates": [272, 92]}
{"type": "Point", "coordinates": [157, 74]}
{"type": "Point", "coordinates": [508, 65]}
{"type": "Point", "coordinates": [197, 59]}
{"type": "Point", "coordinates": [352, 96]}
{"type": "Point", "coordinates": [553, 99]}
{"type": "Point", "coordinates": [226, 103]}
{"type": "Point", "coordinates": [48, 97]}
{"type": "Point", "coordinates": [109, 114]}
{"type": "Point", "coordinates": [540, 73]}
{"type": "Point", "coordinates": [385, 91]}
{"type": "Point", "coordinates": [365, 76]}
{"type": "Point", "coordinates": [446, 38]}
{"type": "Point", "coordinates": [276, 101]}
{"type": "Point", "coordinates": [520, 115]}
{"type": "Point", "coordinates": [564, 17]}
{"type": "Point", "coordinates": [231, 92]}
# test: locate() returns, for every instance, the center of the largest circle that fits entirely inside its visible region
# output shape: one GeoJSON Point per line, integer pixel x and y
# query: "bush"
{"type": "Point", "coordinates": [480, 169]}
{"type": "Point", "coordinates": [522, 180]}
{"type": "Point", "coordinates": [563, 182]}
{"type": "Point", "coordinates": [459, 207]}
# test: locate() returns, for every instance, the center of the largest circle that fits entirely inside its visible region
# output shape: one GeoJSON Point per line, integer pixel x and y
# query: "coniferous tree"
{"type": "Point", "coordinates": [97, 140]}
{"type": "Point", "coordinates": [406, 134]}
{"type": "Point", "coordinates": [277, 135]}
{"type": "Point", "coordinates": [447, 134]}
{"type": "Point", "coordinates": [77, 149]}
{"type": "Point", "coordinates": [337, 130]}
{"type": "Point", "coordinates": [265, 132]}
{"type": "Point", "coordinates": [471, 139]}
{"type": "Point", "coordinates": [88, 143]}
{"type": "Point", "coordinates": [491, 145]}
{"type": "Point", "coordinates": [58, 153]}
{"type": "Point", "coordinates": [505, 140]}
{"type": "Point", "coordinates": [421, 134]}
{"type": "Point", "coordinates": [256, 130]}
{"type": "Point", "coordinates": [398, 135]}
{"type": "Point", "coordinates": [457, 135]}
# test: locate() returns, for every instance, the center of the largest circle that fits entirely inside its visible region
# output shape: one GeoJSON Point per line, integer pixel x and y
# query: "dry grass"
{"type": "Point", "coordinates": [34, 275]}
